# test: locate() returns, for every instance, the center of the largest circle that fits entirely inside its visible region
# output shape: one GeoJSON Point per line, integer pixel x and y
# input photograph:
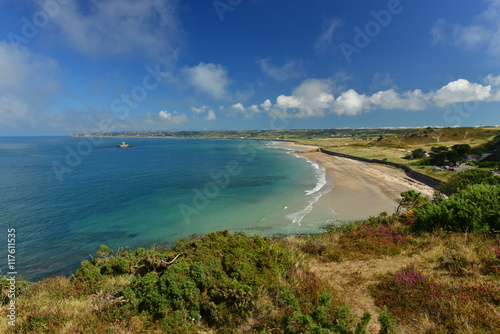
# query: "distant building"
{"type": "Point", "coordinates": [473, 157]}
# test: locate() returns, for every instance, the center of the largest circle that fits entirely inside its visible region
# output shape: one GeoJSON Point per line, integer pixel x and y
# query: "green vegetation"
{"type": "Point", "coordinates": [443, 155]}
{"type": "Point", "coordinates": [220, 283]}
{"type": "Point", "coordinates": [470, 177]}
{"type": "Point", "coordinates": [418, 153]}
{"type": "Point", "coordinates": [420, 271]}
{"type": "Point", "coordinates": [298, 134]}
{"type": "Point", "coordinates": [475, 209]}
{"type": "Point", "coordinates": [434, 267]}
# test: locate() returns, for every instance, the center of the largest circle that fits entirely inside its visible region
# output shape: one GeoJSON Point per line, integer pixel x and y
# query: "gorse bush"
{"type": "Point", "coordinates": [221, 281]}
{"type": "Point", "coordinates": [475, 209]}
{"type": "Point", "coordinates": [469, 177]}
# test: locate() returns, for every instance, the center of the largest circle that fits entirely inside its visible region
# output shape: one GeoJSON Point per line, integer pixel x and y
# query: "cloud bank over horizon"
{"type": "Point", "coordinates": [315, 98]}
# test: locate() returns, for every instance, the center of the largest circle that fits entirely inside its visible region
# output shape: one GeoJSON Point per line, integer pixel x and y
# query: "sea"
{"type": "Point", "coordinates": [65, 196]}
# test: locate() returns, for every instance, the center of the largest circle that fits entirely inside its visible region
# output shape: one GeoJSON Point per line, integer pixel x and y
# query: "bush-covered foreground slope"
{"type": "Point", "coordinates": [384, 275]}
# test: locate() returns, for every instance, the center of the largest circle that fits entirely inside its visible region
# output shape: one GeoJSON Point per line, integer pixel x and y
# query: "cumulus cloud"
{"type": "Point", "coordinates": [390, 99]}
{"type": "Point", "coordinates": [211, 79]}
{"type": "Point", "coordinates": [172, 118]}
{"type": "Point", "coordinates": [311, 98]}
{"type": "Point", "coordinates": [483, 32]}
{"type": "Point", "coordinates": [210, 114]}
{"type": "Point", "coordinates": [315, 98]}
{"type": "Point", "coordinates": [120, 27]}
{"type": "Point", "coordinates": [238, 109]}
{"type": "Point", "coordinates": [291, 69]}
{"type": "Point", "coordinates": [461, 90]}
{"type": "Point", "coordinates": [351, 103]}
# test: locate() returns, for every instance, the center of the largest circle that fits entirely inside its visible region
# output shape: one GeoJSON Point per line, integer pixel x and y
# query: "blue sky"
{"type": "Point", "coordinates": [111, 65]}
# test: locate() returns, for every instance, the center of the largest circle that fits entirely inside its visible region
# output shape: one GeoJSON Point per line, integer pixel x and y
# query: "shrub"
{"type": "Point", "coordinates": [90, 277]}
{"type": "Point", "coordinates": [488, 164]}
{"type": "Point", "coordinates": [470, 177]}
{"type": "Point", "coordinates": [418, 153]}
{"type": "Point", "coordinates": [224, 279]}
{"type": "Point", "coordinates": [473, 209]}
{"type": "Point", "coordinates": [411, 199]}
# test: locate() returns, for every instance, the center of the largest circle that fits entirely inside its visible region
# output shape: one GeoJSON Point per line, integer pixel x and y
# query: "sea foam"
{"type": "Point", "coordinates": [314, 194]}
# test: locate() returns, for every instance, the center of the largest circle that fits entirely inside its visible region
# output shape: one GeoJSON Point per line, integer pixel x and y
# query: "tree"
{"type": "Point", "coordinates": [418, 153]}
{"type": "Point", "coordinates": [410, 200]}
{"type": "Point", "coordinates": [452, 157]}
{"type": "Point", "coordinates": [463, 150]}
{"type": "Point", "coordinates": [438, 155]}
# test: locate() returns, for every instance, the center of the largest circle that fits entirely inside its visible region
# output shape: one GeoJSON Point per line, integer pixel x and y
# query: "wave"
{"type": "Point", "coordinates": [279, 145]}
{"type": "Point", "coordinates": [316, 193]}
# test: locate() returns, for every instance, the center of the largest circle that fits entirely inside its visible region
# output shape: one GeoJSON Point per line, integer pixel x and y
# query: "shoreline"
{"type": "Point", "coordinates": [360, 189]}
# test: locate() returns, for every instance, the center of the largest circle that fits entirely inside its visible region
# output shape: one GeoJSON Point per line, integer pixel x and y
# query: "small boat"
{"type": "Point", "coordinates": [123, 145]}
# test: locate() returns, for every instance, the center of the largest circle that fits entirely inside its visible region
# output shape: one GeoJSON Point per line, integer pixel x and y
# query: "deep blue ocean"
{"type": "Point", "coordinates": [66, 196]}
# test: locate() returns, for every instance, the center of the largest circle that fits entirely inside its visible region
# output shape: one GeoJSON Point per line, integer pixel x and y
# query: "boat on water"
{"type": "Point", "coordinates": [123, 145]}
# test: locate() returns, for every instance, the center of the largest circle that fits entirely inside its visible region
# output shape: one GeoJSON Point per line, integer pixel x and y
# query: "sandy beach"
{"type": "Point", "coordinates": [361, 189]}
{"type": "Point", "coordinates": [299, 147]}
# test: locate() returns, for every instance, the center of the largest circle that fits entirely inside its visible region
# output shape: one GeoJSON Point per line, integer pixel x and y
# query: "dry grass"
{"type": "Point", "coordinates": [451, 260]}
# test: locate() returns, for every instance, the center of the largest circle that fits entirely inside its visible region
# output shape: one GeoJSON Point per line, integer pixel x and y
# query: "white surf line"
{"type": "Point", "coordinates": [318, 191]}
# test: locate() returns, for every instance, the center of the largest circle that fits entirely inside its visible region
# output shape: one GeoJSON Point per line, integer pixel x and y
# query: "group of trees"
{"type": "Point", "coordinates": [443, 155]}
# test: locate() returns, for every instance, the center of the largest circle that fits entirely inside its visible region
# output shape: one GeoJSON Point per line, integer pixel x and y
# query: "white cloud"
{"type": "Point", "coordinates": [238, 107]}
{"type": "Point", "coordinates": [492, 80]}
{"type": "Point", "coordinates": [351, 103]}
{"type": "Point", "coordinates": [211, 79]}
{"type": "Point", "coordinates": [266, 105]}
{"type": "Point", "coordinates": [120, 27]}
{"type": "Point", "coordinates": [291, 69]}
{"type": "Point", "coordinates": [311, 98]}
{"type": "Point", "coordinates": [211, 116]}
{"type": "Point", "coordinates": [314, 98]}
{"type": "Point", "coordinates": [205, 109]}
{"type": "Point", "coordinates": [247, 113]}
{"type": "Point", "coordinates": [390, 99]}
{"type": "Point", "coordinates": [484, 32]}
{"type": "Point", "coordinates": [325, 40]}
{"type": "Point", "coordinates": [172, 118]}
{"type": "Point", "coordinates": [461, 90]}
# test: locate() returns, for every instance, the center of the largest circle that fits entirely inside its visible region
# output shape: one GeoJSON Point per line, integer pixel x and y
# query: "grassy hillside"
{"type": "Point", "coordinates": [428, 137]}
{"type": "Point", "coordinates": [374, 276]}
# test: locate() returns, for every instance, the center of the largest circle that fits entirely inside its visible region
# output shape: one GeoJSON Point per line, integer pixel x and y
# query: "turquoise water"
{"type": "Point", "coordinates": [66, 196]}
